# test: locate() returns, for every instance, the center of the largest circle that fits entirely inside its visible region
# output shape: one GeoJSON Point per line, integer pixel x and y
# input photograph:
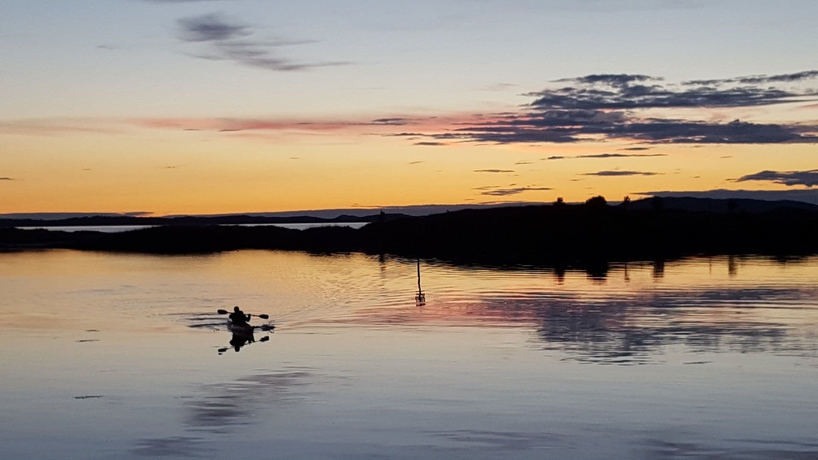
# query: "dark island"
{"type": "Point", "coordinates": [558, 235]}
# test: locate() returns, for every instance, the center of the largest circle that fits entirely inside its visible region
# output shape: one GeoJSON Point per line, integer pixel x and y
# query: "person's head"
{"type": "Point", "coordinates": [236, 309]}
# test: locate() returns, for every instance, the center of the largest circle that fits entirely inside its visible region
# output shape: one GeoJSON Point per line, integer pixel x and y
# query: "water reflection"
{"type": "Point", "coordinates": [173, 447]}
{"type": "Point", "coordinates": [238, 341]}
{"type": "Point", "coordinates": [226, 406]}
{"type": "Point", "coordinates": [625, 321]}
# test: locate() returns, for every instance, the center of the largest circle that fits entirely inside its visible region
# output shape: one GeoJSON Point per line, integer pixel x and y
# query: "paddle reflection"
{"type": "Point", "coordinates": [239, 341]}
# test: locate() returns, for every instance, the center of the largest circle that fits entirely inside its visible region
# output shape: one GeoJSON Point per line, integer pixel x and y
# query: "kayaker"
{"type": "Point", "coordinates": [238, 317]}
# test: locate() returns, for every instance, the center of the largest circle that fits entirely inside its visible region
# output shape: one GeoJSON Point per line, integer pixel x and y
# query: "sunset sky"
{"type": "Point", "coordinates": [227, 106]}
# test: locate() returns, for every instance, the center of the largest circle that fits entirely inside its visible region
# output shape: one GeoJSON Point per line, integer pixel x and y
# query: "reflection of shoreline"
{"type": "Point", "coordinates": [628, 325]}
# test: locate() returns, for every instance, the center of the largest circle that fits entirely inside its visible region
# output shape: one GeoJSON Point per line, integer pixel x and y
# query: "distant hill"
{"type": "Point", "coordinates": [347, 214]}
{"type": "Point", "coordinates": [114, 220]}
{"type": "Point", "coordinates": [718, 205]}
{"type": "Point", "coordinates": [559, 235]}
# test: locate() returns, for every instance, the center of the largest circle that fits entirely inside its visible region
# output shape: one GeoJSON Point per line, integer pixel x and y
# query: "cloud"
{"type": "Point", "coordinates": [494, 170]}
{"type": "Point", "coordinates": [391, 121]}
{"type": "Point", "coordinates": [6, 178]}
{"type": "Point", "coordinates": [759, 79]}
{"type": "Point", "coordinates": [55, 126]}
{"type": "Point", "coordinates": [606, 155]}
{"type": "Point", "coordinates": [232, 40]}
{"type": "Point", "coordinates": [569, 126]}
{"type": "Point", "coordinates": [788, 178]}
{"type": "Point", "coordinates": [622, 155]}
{"type": "Point", "coordinates": [491, 190]}
{"type": "Point", "coordinates": [623, 91]}
{"type": "Point", "coordinates": [621, 173]}
{"type": "Point", "coordinates": [211, 27]}
{"type": "Point", "coordinates": [605, 107]}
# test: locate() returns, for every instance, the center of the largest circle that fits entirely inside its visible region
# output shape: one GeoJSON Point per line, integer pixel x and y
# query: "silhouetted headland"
{"type": "Point", "coordinates": [589, 234]}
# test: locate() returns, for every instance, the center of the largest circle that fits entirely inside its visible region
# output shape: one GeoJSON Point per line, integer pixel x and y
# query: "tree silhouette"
{"type": "Point", "coordinates": [598, 201]}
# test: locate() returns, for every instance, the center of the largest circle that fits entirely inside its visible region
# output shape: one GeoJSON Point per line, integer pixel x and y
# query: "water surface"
{"type": "Point", "coordinates": [124, 356]}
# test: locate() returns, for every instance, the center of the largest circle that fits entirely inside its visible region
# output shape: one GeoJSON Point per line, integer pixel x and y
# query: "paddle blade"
{"type": "Point", "coordinates": [264, 339]}
{"type": "Point", "coordinates": [264, 316]}
{"type": "Point", "coordinates": [221, 312]}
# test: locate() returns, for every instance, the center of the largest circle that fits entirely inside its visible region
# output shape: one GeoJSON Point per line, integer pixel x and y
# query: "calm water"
{"type": "Point", "coordinates": [123, 356]}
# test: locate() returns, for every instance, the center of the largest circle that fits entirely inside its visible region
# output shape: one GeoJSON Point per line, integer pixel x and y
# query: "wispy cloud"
{"type": "Point", "coordinates": [6, 178]}
{"type": "Point", "coordinates": [232, 40]}
{"type": "Point", "coordinates": [491, 190]}
{"type": "Point", "coordinates": [617, 173]}
{"type": "Point", "coordinates": [56, 126]}
{"type": "Point", "coordinates": [606, 155]}
{"type": "Point", "coordinates": [759, 79]}
{"type": "Point", "coordinates": [495, 171]}
{"type": "Point", "coordinates": [622, 155]}
{"type": "Point", "coordinates": [788, 178]}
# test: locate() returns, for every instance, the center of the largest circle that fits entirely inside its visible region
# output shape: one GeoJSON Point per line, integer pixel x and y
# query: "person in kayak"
{"type": "Point", "coordinates": [238, 317]}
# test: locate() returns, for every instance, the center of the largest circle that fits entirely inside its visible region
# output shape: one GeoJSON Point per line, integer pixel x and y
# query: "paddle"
{"type": "Point", "coordinates": [224, 312]}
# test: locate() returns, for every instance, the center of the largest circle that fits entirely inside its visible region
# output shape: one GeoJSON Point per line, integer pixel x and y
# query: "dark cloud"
{"type": "Point", "coordinates": [615, 80]}
{"type": "Point", "coordinates": [607, 155]}
{"type": "Point", "coordinates": [211, 27]}
{"type": "Point", "coordinates": [415, 162]}
{"type": "Point", "coordinates": [621, 155]}
{"type": "Point", "coordinates": [571, 126]}
{"type": "Point", "coordinates": [494, 170]}
{"type": "Point", "coordinates": [788, 178]}
{"type": "Point", "coordinates": [232, 40]}
{"type": "Point", "coordinates": [6, 178]}
{"type": "Point", "coordinates": [429, 143]}
{"type": "Point", "coordinates": [391, 121]}
{"type": "Point", "coordinates": [636, 148]}
{"type": "Point", "coordinates": [595, 92]}
{"type": "Point", "coordinates": [491, 190]}
{"type": "Point", "coordinates": [620, 173]}
{"type": "Point", "coordinates": [612, 107]}
{"type": "Point", "coordinates": [758, 79]}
